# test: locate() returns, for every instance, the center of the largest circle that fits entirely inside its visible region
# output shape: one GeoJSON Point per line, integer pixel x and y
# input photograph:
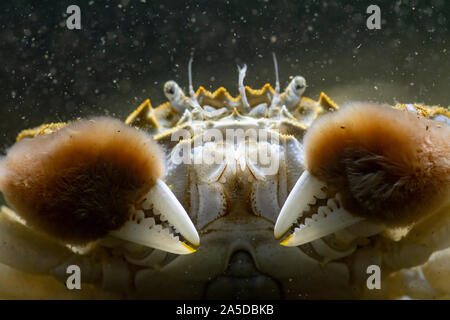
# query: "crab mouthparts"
{"type": "Point", "coordinates": [310, 214]}
{"type": "Point", "coordinates": [162, 229]}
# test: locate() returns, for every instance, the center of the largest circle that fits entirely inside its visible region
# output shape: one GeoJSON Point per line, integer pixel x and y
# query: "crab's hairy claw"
{"type": "Point", "coordinates": [384, 165]}
{"type": "Point", "coordinates": [80, 183]}
{"type": "Point", "coordinates": [77, 183]}
{"type": "Point", "coordinates": [391, 166]}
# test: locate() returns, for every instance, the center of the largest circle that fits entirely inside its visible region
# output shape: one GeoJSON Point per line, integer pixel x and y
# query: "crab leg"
{"type": "Point", "coordinates": [425, 238]}
{"type": "Point", "coordinates": [27, 250]}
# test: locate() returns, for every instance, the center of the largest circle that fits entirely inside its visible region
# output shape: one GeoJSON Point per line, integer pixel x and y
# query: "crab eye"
{"type": "Point", "coordinates": [299, 83]}
{"type": "Point", "coordinates": [170, 89]}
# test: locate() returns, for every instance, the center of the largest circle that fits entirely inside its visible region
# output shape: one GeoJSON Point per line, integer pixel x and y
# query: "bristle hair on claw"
{"type": "Point", "coordinates": [78, 183]}
{"type": "Point", "coordinates": [390, 166]}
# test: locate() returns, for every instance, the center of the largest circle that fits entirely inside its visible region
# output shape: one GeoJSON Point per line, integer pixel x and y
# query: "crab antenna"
{"type": "Point", "coordinates": [242, 72]}
{"type": "Point", "coordinates": [276, 96]}
{"type": "Point", "coordinates": [191, 87]}
{"type": "Point", "coordinates": [277, 79]}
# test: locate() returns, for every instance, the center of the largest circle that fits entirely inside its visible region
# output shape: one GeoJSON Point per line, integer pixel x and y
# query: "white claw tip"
{"type": "Point", "coordinates": [327, 220]}
{"type": "Point", "coordinates": [148, 233]}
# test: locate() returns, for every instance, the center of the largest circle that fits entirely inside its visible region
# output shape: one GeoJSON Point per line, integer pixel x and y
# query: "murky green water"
{"type": "Point", "coordinates": [126, 50]}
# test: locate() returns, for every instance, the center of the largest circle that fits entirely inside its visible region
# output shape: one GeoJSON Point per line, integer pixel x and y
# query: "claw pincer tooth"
{"type": "Point", "coordinates": [327, 220]}
{"type": "Point", "coordinates": [298, 201]}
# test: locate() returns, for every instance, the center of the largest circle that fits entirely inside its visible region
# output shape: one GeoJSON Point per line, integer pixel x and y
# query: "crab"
{"type": "Point", "coordinates": [269, 194]}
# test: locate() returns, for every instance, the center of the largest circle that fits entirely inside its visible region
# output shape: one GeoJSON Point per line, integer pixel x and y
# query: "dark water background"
{"type": "Point", "coordinates": [126, 50]}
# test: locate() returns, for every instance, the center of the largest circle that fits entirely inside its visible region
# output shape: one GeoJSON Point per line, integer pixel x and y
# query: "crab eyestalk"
{"type": "Point", "coordinates": [294, 91]}
{"type": "Point", "coordinates": [367, 162]}
{"type": "Point", "coordinates": [92, 179]}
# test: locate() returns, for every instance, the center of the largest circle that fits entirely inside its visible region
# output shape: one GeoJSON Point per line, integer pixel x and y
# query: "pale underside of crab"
{"type": "Point", "coordinates": [234, 205]}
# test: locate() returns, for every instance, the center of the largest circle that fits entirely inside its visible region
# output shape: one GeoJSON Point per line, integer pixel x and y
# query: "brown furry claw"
{"type": "Point", "coordinates": [368, 162]}
{"type": "Point", "coordinates": [91, 179]}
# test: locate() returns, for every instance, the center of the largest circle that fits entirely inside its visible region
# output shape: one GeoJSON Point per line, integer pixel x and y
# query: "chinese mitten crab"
{"type": "Point", "coordinates": [191, 199]}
